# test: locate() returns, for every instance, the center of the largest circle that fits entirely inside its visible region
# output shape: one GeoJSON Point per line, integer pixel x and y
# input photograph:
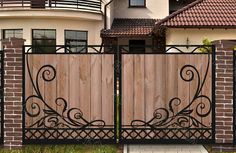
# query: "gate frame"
{"type": "Point", "coordinates": [68, 141]}
{"type": "Point", "coordinates": [171, 141]}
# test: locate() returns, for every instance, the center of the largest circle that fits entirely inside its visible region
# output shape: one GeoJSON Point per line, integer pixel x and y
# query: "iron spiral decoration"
{"type": "Point", "coordinates": [65, 118]}
{"type": "Point", "coordinates": [188, 116]}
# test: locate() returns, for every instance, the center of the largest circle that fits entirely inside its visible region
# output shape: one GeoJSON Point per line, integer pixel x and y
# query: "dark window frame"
{"type": "Point", "coordinates": [3, 32]}
{"type": "Point", "coordinates": [32, 34]}
{"type": "Point", "coordinates": [137, 6]}
{"type": "Point", "coordinates": [78, 40]}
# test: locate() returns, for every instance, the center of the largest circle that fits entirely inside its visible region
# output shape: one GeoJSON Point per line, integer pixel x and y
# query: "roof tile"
{"type": "Point", "coordinates": [130, 27]}
{"type": "Point", "coordinates": [204, 13]}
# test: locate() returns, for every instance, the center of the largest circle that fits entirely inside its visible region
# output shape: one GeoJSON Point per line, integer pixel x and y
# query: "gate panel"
{"type": "Point", "coordinates": [167, 98]}
{"type": "Point", "coordinates": [69, 98]}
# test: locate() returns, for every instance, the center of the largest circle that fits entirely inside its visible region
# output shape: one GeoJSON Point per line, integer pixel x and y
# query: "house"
{"type": "Point", "coordinates": [211, 19]}
{"type": "Point", "coordinates": [51, 22]}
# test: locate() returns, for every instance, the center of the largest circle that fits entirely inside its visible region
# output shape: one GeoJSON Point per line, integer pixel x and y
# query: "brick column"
{"type": "Point", "coordinates": [12, 92]}
{"type": "Point", "coordinates": [224, 96]}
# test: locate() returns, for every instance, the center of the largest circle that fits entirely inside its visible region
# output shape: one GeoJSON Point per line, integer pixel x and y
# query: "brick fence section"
{"type": "Point", "coordinates": [224, 96]}
{"type": "Point", "coordinates": [12, 92]}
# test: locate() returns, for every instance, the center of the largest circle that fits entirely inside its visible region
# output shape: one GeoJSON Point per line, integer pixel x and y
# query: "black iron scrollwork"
{"type": "Point", "coordinates": [67, 118]}
{"type": "Point", "coordinates": [188, 117]}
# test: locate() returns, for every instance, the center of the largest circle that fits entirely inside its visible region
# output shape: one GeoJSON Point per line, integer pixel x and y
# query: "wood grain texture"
{"type": "Point", "coordinates": [86, 82]}
{"type": "Point", "coordinates": [152, 81]}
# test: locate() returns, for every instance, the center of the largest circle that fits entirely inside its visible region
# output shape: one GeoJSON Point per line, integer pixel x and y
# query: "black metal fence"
{"type": "Point", "coordinates": [82, 5]}
{"type": "Point", "coordinates": [162, 128]}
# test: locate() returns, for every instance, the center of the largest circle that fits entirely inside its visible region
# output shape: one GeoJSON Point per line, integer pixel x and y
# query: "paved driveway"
{"type": "Point", "coordinates": [164, 149]}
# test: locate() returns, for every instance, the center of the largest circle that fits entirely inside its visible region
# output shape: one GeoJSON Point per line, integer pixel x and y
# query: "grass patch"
{"type": "Point", "coordinates": [65, 149]}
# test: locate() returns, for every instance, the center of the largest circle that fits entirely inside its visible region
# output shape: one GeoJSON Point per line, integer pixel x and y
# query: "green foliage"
{"type": "Point", "coordinates": [105, 149]}
{"type": "Point", "coordinates": [64, 149]}
{"type": "Point", "coordinates": [234, 48]}
{"type": "Point", "coordinates": [206, 42]}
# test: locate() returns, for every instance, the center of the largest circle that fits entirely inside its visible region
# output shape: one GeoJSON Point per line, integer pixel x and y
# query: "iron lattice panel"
{"type": "Point", "coordinates": [86, 135]}
{"type": "Point", "coordinates": [167, 135]}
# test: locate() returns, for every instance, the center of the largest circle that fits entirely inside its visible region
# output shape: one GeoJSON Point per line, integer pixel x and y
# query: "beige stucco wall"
{"type": "Point", "coordinates": [27, 24]}
{"type": "Point", "coordinates": [155, 9]}
{"type": "Point", "coordinates": [176, 36]}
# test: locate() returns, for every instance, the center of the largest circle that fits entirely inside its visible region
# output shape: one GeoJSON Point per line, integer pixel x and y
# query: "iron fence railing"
{"type": "Point", "coordinates": [82, 5]}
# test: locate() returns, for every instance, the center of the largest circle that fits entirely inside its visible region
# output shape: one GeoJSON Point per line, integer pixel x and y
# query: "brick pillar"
{"type": "Point", "coordinates": [12, 92]}
{"type": "Point", "coordinates": [224, 96]}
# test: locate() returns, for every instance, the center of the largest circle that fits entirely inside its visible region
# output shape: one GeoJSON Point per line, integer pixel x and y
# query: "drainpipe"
{"type": "Point", "coordinates": [105, 19]}
{"type": "Point", "coordinates": [105, 14]}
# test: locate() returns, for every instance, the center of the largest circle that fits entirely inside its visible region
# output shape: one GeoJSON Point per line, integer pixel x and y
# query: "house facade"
{"type": "Point", "coordinates": [95, 22]}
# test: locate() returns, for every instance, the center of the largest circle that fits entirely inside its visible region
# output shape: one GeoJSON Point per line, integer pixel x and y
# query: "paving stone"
{"type": "Point", "coordinates": [166, 149]}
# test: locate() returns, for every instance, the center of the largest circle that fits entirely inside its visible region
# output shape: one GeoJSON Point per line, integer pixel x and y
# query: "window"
{"type": "Point", "coordinates": [12, 33]}
{"type": "Point", "coordinates": [137, 3]}
{"type": "Point", "coordinates": [137, 46]}
{"type": "Point", "coordinates": [44, 41]}
{"type": "Point", "coordinates": [76, 40]}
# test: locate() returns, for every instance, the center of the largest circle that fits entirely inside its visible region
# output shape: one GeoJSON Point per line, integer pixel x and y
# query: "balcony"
{"type": "Point", "coordinates": [80, 5]}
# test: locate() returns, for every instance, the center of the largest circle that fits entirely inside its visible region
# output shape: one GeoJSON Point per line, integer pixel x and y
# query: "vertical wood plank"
{"type": "Point", "coordinates": [172, 86]}
{"type": "Point", "coordinates": [108, 89]}
{"type": "Point", "coordinates": [96, 87]}
{"type": "Point", "coordinates": [207, 90]}
{"type": "Point", "coordinates": [139, 106]}
{"type": "Point", "coordinates": [84, 86]}
{"type": "Point", "coordinates": [183, 87]}
{"type": "Point", "coordinates": [28, 89]}
{"type": "Point", "coordinates": [149, 88]}
{"type": "Point", "coordinates": [127, 89]}
{"type": "Point", "coordinates": [160, 88]}
{"type": "Point", "coordinates": [74, 81]}
{"type": "Point", "coordinates": [62, 83]}
{"type": "Point", "coordinates": [50, 88]}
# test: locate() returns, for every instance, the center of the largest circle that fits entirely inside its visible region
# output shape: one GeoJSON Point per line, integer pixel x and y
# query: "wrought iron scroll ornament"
{"type": "Point", "coordinates": [66, 118]}
{"type": "Point", "coordinates": [189, 116]}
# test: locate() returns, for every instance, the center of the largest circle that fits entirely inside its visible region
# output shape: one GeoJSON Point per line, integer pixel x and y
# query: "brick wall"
{"type": "Point", "coordinates": [224, 96]}
{"type": "Point", "coordinates": [12, 92]}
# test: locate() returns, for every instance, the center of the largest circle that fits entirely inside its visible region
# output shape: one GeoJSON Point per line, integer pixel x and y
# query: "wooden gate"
{"type": "Point", "coordinates": [167, 98]}
{"type": "Point", "coordinates": [69, 97]}
{"type": "Point", "coordinates": [119, 97]}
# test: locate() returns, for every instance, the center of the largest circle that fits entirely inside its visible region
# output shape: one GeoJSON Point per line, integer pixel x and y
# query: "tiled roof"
{"type": "Point", "coordinates": [204, 13]}
{"type": "Point", "coordinates": [130, 27]}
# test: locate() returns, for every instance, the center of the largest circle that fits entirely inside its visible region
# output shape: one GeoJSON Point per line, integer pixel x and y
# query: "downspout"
{"type": "Point", "coordinates": [105, 20]}
{"type": "Point", "coordinates": [105, 14]}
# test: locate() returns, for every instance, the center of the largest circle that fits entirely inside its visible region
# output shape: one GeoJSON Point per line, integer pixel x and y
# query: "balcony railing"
{"type": "Point", "coordinates": [81, 5]}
